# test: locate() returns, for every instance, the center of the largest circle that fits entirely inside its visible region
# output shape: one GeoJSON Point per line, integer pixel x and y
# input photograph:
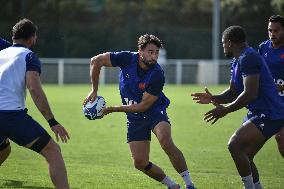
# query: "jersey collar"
{"type": "Point", "coordinates": [18, 45]}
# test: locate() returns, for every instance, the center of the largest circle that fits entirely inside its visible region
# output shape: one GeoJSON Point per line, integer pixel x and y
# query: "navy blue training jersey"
{"type": "Point", "coordinates": [134, 81]}
{"type": "Point", "coordinates": [268, 101]}
{"type": "Point", "coordinates": [274, 58]}
{"type": "Point", "coordinates": [4, 44]}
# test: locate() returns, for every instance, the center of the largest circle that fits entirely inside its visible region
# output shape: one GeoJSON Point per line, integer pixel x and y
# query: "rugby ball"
{"type": "Point", "coordinates": [93, 110]}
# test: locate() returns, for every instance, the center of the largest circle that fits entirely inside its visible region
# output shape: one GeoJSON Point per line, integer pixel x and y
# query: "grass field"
{"type": "Point", "coordinates": [97, 155]}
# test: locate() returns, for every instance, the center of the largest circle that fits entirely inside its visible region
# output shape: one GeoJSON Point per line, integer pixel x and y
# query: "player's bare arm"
{"type": "Point", "coordinates": [34, 86]}
{"type": "Point", "coordinates": [97, 62]}
{"type": "Point", "coordinates": [146, 102]}
{"type": "Point", "coordinates": [227, 96]}
{"type": "Point", "coordinates": [251, 85]}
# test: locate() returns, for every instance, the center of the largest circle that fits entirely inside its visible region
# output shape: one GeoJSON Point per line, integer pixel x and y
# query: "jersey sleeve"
{"type": "Point", "coordinates": [4, 44]}
{"type": "Point", "coordinates": [260, 49]}
{"type": "Point", "coordinates": [33, 63]}
{"type": "Point", "coordinates": [120, 59]}
{"type": "Point", "coordinates": [156, 83]}
{"type": "Point", "coordinates": [250, 64]}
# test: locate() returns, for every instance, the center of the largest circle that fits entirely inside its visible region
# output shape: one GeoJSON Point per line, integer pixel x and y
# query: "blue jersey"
{"type": "Point", "coordinates": [275, 60]}
{"type": "Point", "coordinates": [134, 81]}
{"type": "Point", "coordinates": [4, 44]}
{"type": "Point", "coordinates": [268, 101]}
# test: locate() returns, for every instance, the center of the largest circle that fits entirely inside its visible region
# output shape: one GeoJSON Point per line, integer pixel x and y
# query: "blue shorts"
{"type": "Point", "coordinates": [140, 129]}
{"type": "Point", "coordinates": [19, 127]}
{"type": "Point", "coordinates": [266, 126]}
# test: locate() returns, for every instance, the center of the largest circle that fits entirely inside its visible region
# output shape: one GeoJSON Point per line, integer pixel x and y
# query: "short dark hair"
{"type": "Point", "coordinates": [236, 34]}
{"type": "Point", "coordinates": [277, 18]}
{"type": "Point", "coordinates": [146, 39]}
{"type": "Point", "coordinates": [24, 29]}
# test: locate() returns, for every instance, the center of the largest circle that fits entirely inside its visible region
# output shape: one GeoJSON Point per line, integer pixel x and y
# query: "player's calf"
{"type": "Point", "coordinates": [57, 169]}
{"type": "Point", "coordinates": [5, 150]}
{"type": "Point", "coordinates": [279, 137]}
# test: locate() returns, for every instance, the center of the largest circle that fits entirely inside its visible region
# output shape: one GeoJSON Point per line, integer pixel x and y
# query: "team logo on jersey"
{"type": "Point", "coordinates": [282, 56]}
{"type": "Point", "coordinates": [265, 55]}
{"type": "Point", "coordinates": [261, 126]}
{"type": "Point", "coordinates": [142, 86]}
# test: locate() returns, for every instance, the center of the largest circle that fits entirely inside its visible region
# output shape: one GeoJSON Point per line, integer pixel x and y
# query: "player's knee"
{"type": "Point", "coordinates": [52, 147]}
{"type": "Point", "coordinates": [167, 144]}
{"type": "Point", "coordinates": [233, 146]}
{"type": "Point", "coordinates": [140, 164]}
{"type": "Point", "coordinates": [51, 151]}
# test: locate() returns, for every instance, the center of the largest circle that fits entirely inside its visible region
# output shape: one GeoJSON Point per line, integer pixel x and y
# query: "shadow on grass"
{"type": "Point", "coordinates": [19, 184]}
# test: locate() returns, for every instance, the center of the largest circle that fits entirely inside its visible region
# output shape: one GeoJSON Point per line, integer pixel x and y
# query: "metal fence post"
{"type": "Point", "coordinates": [178, 72]}
{"type": "Point", "coordinates": [60, 72]}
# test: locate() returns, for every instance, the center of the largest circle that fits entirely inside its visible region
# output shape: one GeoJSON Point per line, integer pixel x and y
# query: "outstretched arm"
{"type": "Point", "coordinates": [34, 86]}
{"type": "Point", "coordinates": [147, 101]}
{"type": "Point", "coordinates": [206, 97]}
{"type": "Point", "coordinates": [251, 86]}
{"type": "Point", "coordinates": [151, 94]}
{"type": "Point", "coordinates": [227, 96]}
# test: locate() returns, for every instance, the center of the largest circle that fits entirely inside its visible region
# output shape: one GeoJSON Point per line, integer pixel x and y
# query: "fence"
{"type": "Point", "coordinates": [184, 71]}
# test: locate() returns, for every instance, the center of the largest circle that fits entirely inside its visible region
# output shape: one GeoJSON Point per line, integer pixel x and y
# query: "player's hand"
{"type": "Point", "coordinates": [107, 110]}
{"type": "Point", "coordinates": [60, 131]}
{"type": "Point", "coordinates": [202, 98]}
{"type": "Point", "coordinates": [90, 97]}
{"type": "Point", "coordinates": [218, 112]}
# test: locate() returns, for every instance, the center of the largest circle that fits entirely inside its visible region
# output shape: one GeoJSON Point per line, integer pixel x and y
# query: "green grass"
{"type": "Point", "coordinates": [97, 156]}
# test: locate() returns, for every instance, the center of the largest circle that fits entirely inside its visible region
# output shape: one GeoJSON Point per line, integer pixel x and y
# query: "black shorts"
{"type": "Point", "coordinates": [140, 129]}
{"type": "Point", "coordinates": [266, 126]}
{"type": "Point", "coordinates": [19, 127]}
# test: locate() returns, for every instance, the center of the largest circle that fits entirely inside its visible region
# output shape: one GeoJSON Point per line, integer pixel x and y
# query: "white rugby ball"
{"type": "Point", "coordinates": [93, 110]}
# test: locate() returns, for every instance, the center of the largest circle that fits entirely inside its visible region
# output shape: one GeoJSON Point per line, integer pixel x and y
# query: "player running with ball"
{"type": "Point", "coordinates": [141, 84]}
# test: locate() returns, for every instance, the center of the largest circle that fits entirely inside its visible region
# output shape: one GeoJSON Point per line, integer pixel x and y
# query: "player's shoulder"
{"type": "Point", "coordinates": [124, 53]}
{"type": "Point", "coordinates": [123, 58]}
{"type": "Point", "coordinates": [249, 51]}
{"type": "Point", "coordinates": [265, 44]}
{"type": "Point", "coordinates": [157, 71]}
{"type": "Point", "coordinates": [251, 56]}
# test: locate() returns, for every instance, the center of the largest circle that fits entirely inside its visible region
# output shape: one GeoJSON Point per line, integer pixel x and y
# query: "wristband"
{"type": "Point", "coordinates": [52, 122]}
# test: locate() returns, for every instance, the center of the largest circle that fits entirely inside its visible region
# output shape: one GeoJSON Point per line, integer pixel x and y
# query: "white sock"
{"type": "Point", "coordinates": [186, 177]}
{"type": "Point", "coordinates": [168, 182]}
{"type": "Point", "coordinates": [248, 182]}
{"type": "Point", "coordinates": [257, 185]}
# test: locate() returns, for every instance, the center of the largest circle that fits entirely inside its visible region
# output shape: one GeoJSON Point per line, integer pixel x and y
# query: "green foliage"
{"type": "Point", "coordinates": [84, 28]}
{"type": "Point", "coordinates": [97, 156]}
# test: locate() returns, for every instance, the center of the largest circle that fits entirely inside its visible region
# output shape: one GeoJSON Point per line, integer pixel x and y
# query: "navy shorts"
{"type": "Point", "coordinates": [19, 127]}
{"type": "Point", "coordinates": [266, 126]}
{"type": "Point", "coordinates": [140, 129]}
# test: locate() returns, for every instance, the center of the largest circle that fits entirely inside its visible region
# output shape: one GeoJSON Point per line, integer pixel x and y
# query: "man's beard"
{"type": "Point", "coordinates": [149, 63]}
{"type": "Point", "coordinates": [229, 55]}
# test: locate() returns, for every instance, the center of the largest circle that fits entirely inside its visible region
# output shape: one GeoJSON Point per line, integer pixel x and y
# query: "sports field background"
{"type": "Point", "coordinates": [97, 155]}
